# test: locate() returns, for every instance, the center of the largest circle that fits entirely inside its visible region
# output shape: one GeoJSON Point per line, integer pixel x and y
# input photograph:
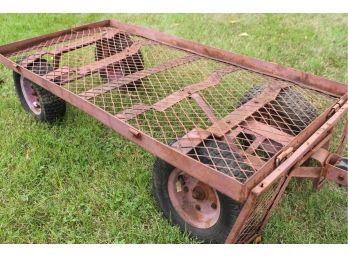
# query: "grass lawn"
{"type": "Point", "coordinates": [79, 182]}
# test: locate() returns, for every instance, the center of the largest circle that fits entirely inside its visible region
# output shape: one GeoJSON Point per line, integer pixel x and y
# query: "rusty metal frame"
{"type": "Point", "coordinates": [260, 181]}
{"type": "Point", "coordinates": [264, 67]}
{"type": "Point", "coordinates": [290, 168]}
{"type": "Point", "coordinates": [136, 76]}
{"type": "Point", "coordinates": [208, 175]}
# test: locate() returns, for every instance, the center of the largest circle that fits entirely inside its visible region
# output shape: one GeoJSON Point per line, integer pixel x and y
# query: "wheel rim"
{"type": "Point", "coordinates": [196, 203]}
{"type": "Point", "coordinates": [30, 95]}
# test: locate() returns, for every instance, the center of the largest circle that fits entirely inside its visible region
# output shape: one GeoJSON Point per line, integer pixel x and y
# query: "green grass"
{"type": "Point", "coordinates": [78, 181]}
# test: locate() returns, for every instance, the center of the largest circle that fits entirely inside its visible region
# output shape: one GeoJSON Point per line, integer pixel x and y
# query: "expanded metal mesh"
{"type": "Point", "coordinates": [260, 210]}
{"type": "Point", "coordinates": [229, 118]}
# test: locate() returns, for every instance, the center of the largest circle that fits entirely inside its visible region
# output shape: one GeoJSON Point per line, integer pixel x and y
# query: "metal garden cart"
{"type": "Point", "coordinates": [229, 131]}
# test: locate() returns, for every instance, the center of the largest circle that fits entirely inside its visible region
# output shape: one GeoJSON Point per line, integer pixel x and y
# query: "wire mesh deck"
{"type": "Point", "coordinates": [229, 118]}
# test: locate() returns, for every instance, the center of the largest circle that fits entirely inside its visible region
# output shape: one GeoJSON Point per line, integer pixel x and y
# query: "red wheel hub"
{"type": "Point", "coordinates": [30, 95]}
{"type": "Point", "coordinates": [195, 202]}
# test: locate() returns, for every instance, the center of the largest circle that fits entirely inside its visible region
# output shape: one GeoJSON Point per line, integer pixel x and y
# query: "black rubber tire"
{"type": "Point", "coordinates": [291, 106]}
{"type": "Point", "coordinates": [343, 164]}
{"type": "Point", "coordinates": [229, 209]}
{"type": "Point", "coordinates": [52, 107]}
{"type": "Point", "coordinates": [218, 154]}
{"type": "Point", "coordinates": [111, 46]}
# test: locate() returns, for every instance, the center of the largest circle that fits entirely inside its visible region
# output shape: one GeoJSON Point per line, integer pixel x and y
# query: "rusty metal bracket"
{"type": "Point", "coordinates": [337, 175]}
{"type": "Point", "coordinates": [334, 173]}
{"type": "Point", "coordinates": [284, 155]}
{"type": "Point", "coordinates": [320, 155]}
{"type": "Point", "coordinates": [336, 107]}
{"type": "Point", "coordinates": [326, 170]}
{"type": "Point", "coordinates": [135, 133]}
